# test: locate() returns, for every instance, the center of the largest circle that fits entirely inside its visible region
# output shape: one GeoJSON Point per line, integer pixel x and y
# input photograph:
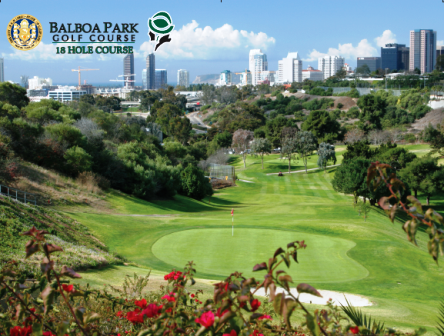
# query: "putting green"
{"type": "Point", "coordinates": [216, 252]}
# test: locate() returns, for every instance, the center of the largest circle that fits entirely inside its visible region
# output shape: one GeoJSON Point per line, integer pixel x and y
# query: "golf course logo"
{"type": "Point", "coordinates": [24, 32]}
{"type": "Point", "coordinates": [160, 26]}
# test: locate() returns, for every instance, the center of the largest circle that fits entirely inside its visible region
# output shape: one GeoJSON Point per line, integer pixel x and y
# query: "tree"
{"type": "Point", "coordinates": [208, 94]}
{"type": "Point", "coordinates": [440, 63]}
{"type": "Point", "coordinates": [194, 184]}
{"type": "Point", "coordinates": [323, 126]}
{"type": "Point", "coordinates": [373, 108]}
{"type": "Point", "coordinates": [306, 143]}
{"type": "Point", "coordinates": [400, 155]}
{"type": "Point", "coordinates": [288, 150]}
{"type": "Point", "coordinates": [273, 129]}
{"type": "Point", "coordinates": [363, 70]}
{"type": "Point", "coordinates": [350, 178]}
{"type": "Point", "coordinates": [241, 141]}
{"type": "Point", "coordinates": [77, 160]}
{"type": "Point", "coordinates": [13, 94]}
{"type": "Point", "coordinates": [425, 175]}
{"type": "Point", "coordinates": [340, 74]}
{"type": "Point", "coordinates": [358, 149]}
{"type": "Point", "coordinates": [165, 114]}
{"type": "Point", "coordinates": [326, 152]}
{"type": "Point", "coordinates": [179, 128]}
{"type": "Point", "coordinates": [354, 135]}
{"type": "Point", "coordinates": [261, 147]}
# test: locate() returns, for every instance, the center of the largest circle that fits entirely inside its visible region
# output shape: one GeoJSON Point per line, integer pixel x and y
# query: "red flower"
{"type": "Point", "coordinates": [265, 317]}
{"type": "Point", "coordinates": [232, 333]}
{"type": "Point", "coordinates": [192, 295]}
{"type": "Point", "coordinates": [169, 310]}
{"type": "Point", "coordinates": [206, 319]}
{"type": "Point", "coordinates": [152, 310]}
{"type": "Point", "coordinates": [48, 333]}
{"type": "Point", "coordinates": [119, 313]}
{"type": "Point", "coordinates": [219, 314]}
{"type": "Point", "coordinates": [256, 333]}
{"type": "Point", "coordinates": [134, 316]}
{"type": "Point", "coordinates": [20, 331]}
{"type": "Point", "coordinates": [354, 330]}
{"type": "Point", "coordinates": [68, 288]}
{"type": "Point", "coordinates": [255, 304]}
{"type": "Point", "coordinates": [169, 298]}
{"type": "Point", "coordinates": [141, 304]}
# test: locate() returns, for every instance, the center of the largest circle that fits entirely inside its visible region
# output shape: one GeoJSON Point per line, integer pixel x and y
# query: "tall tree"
{"type": "Point", "coordinates": [326, 152]}
{"type": "Point", "coordinates": [241, 141]}
{"type": "Point", "coordinates": [13, 94]}
{"type": "Point", "coordinates": [180, 128]}
{"type": "Point", "coordinates": [323, 126]}
{"type": "Point", "coordinates": [306, 143]}
{"type": "Point", "coordinates": [288, 150]}
{"type": "Point", "coordinates": [261, 147]}
{"type": "Point", "coordinates": [423, 174]}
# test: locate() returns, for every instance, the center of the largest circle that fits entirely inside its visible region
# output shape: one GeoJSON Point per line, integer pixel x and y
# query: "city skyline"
{"type": "Point", "coordinates": [205, 43]}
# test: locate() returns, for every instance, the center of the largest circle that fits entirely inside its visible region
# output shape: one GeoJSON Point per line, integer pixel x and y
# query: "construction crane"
{"type": "Point", "coordinates": [80, 70]}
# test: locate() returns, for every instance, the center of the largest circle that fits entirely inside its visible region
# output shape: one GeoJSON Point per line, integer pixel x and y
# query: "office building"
{"type": "Point", "coordinates": [422, 50]}
{"type": "Point", "coordinates": [330, 65]}
{"type": "Point", "coordinates": [161, 79]}
{"type": "Point", "coordinates": [183, 78]}
{"type": "Point", "coordinates": [312, 74]}
{"type": "Point", "coordinates": [226, 78]}
{"type": "Point", "coordinates": [144, 85]}
{"type": "Point", "coordinates": [2, 70]}
{"type": "Point", "coordinates": [373, 63]}
{"type": "Point", "coordinates": [128, 70]}
{"type": "Point", "coordinates": [150, 72]}
{"type": "Point", "coordinates": [405, 58]}
{"type": "Point", "coordinates": [245, 78]}
{"type": "Point", "coordinates": [290, 69]}
{"type": "Point", "coordinates": [66, 93]}
{"type": "Point", "coordinates": [257, 63]}
{"type": "Point", "coordinates": [392, 57]}
{"type": "Point", "coordinates": [439, 52]}
{"type": "Point", "coordinates": [37, 83]}
{"type": "Point", "coordinates": [267, 77]}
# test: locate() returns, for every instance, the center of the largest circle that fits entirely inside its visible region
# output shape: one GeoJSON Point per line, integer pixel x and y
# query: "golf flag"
{"type": "Point", "coordinates": [232, 212]}
{"type": "Point", "coordinates": [232, 222]}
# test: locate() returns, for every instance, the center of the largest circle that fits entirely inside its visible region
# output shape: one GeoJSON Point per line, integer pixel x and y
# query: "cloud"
{"type": "Point", "coordinates": [440, 43]}
{"type": "Point", "coordinates": [386, 37]}
{"type": "Point", "coordinates": [346, 50]}
{"type": "Point", "coordinates": [192, 42]}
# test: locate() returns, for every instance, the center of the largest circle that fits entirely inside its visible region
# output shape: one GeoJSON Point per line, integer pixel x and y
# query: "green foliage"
{"type": "Point", "coordinates": [194, 184]}
{"type": "Point", "coordinates": [326, 152]}
{"type": "Point", "coordinates": [13, 95]}
{"type": "Point", "coordinates": [261, 147]}
{"type": "Point", "coordinates": [400, 155]}
{"type": "Point", "coordinates": [77, 160]}
{"type": "Point", "coordinates": [353, 93]}
{"type": "Point", "coordinates": [373, 109]}
{"type": "Point", "coordinates": [305, 143]}
{"type": "Point", "coordinates": [361, 319]}
{"type": "Point", "coordinates": [318, 104]}
{"type": "Point", "coordinates": [273, 129]}
{"type": "Point", "coordinates": [179, 128]}
{"type": "Point", "coordinates": [353, 112]}
{"type": "Point", "coordinates": [317, 91]}
{"type": "Point", "coordinates": [65, 133]}
{"type": "Point", "coordinates": [323, 126]}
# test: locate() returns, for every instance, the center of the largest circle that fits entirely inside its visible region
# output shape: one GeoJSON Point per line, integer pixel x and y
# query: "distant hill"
{"type": "Point", "coordinates": [213, 79]}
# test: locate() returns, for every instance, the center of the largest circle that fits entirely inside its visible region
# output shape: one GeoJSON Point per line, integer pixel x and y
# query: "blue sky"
{"type": "Point", "coordinates": [211, 36]}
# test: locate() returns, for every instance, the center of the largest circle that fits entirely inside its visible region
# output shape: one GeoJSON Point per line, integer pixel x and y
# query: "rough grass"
{"type": "Point", "coordinates": [403, 281]}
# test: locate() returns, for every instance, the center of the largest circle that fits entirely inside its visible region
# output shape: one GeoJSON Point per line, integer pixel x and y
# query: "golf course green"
{"type": "Point", "coordinates": [344, 252]}
{"type": "Point", "coordinates": [327, 263]}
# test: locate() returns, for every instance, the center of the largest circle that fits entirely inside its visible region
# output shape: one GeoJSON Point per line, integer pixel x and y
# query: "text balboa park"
{"type": "Point", "coordinates": [98, 50]}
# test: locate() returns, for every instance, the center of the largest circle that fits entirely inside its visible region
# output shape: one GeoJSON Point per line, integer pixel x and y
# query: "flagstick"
{"type": "Point", "coordinates": [232, 226]}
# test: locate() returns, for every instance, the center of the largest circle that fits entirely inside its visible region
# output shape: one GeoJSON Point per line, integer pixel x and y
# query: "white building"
{"type": "Point", "coordinates": [312, 74]}
{"type": "Point", "coordinates": [226, 78]}
{"type": "Point", "coordinates": [245, 78]}
{"type": "Point", "coordinates": [2, 70]}
{"type": "Point", "coordinates": [290, 69]}
{"type": "Point", "coordinates": [37, 83]}
{"type": "Point", "coordinates": [183, 77]}
{"type": "Point", "coordinates": [144, 83]}
{"type": "Point", "coordinates": [257, 63]}
{"type": "Point", "coordinates": [330, 65]}
{"type": "Point", "coordinates": [66, 93]}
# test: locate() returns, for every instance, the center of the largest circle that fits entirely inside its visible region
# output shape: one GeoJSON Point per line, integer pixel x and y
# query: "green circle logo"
{"type": "Point", "coordinates": [161, 23]}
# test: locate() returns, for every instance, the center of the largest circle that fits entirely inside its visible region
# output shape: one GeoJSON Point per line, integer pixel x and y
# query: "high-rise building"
{"type": "Point", "coordinates": [373, 63]}
{"type": "Point", "coordinates": [150, 72]}
{"type": "Point", "coordinates": [330, 65]}
{"type": "Point", "coordinates": [439, 51]}
{"type": "Point", "coordinates": [422, 50]}
{"type": "Point", "coordinates": [2, 70]}
{"type": "Point", "coordinates": [128, 70]}
{"type": "Point", "coordinates": [391, 57]}
{"type": "Point", "coordinates": [161, 79]}
{"type": "Point", "coordinates": [257, 63]}
{"type": "Point", "coordinates": [183, 77]}
{"type": "Point", "coordinates": [144, 85]}
{"type": "Point", "coordinates": [226, 77]}
{"type": "Point", "coordinates": [37, 83]}
{"type": "Point", "coordinates": [290, 69]}
{"type": "Point", "coordinates": [245, 77]}
{"type": "Point", "coordinates": [405, 58]}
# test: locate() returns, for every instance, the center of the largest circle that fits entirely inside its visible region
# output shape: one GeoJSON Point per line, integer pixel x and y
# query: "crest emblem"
{"type": "Point", "coordinates": [160, 26]}
{"type": "Point", "coordinates": [24, 32]}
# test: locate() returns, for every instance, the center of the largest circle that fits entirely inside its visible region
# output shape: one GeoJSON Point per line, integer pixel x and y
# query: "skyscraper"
{"type": "Point", "coordinates": [257, 63]}
{"type": "Point", "coordinates": [128, 70]}
{"type": "Point", "coordinates": [2, 70]}
{"type": "Point", "coordinates": [161, 79]}
{"type": "Point", "coordinates": [290, 69]}
{"type": "Point", "coordinates": [373, 63]}
{"type": "Point", "coordinates": [183, 77]}
{"type": "Point", "coordinates": [144, 85]}
{"type": "Point", "coordinates": [422, 50]}
{"type": "Point", "coordinates": [150, 72]}
{"type": "Point", "coordinates": [330, 65]}
{"type": "Point", "coordinates": [391, 57]}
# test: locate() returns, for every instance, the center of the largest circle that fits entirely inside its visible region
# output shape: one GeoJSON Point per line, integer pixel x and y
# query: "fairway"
{"type": "Point", "coordinates": [216, 252]}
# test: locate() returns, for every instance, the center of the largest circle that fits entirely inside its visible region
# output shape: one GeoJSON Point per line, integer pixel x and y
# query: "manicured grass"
{"type": "Point", "coordinates": [402, 280]}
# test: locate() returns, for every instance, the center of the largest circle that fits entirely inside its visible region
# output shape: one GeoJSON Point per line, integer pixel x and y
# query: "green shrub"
{"type": "Point", "coordinates": [194, 184]}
